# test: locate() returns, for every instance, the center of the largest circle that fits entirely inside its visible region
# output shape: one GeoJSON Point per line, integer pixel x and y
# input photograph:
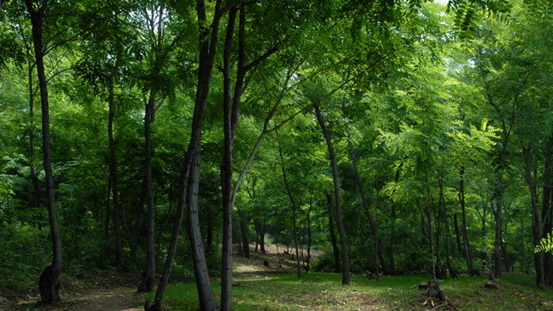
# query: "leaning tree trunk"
{"type": "Point", "coordinates": [208, 48]}
{"type": "Point", "coordinates": [48, 281]}
{"type": "Point", "coordinates": [337, 197]}
{"type": "Point", "coordinates": [34, 178]}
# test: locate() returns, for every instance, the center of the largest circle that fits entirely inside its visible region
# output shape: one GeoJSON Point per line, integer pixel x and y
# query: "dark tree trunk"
{"type": "Point", "coordinates": [139, 210]}
{"type": "Point", "coordinates": [498, 217]}
{"type": "Point", "coordinates": [203, 284]}
{"type": "Point", "coordinates": [366, 205]}
{"type": "Point", "coordinates": [294, 207]}
{"type": "Point", "coordinates": [466, 243]}
{"type": "Point", "coordinates": [457, 235]}
{"type": "Point", "coordinates": [333, 240]}
{"type": "Point", "coordinates": [530, 177]}
{"type": "Point", "coordinates": [547, 204]}
{"type": "Point", "coordinates": [393, 217]}
{"type": "Point", "coordinates": [48, 281]}
{"type": "Point", "coordinates": [226, 169]}
{"type": "Point", "coordinates": [337, 197]}
{"type": "Point", "coordinates": [114, 180]}
{"type": "Point", "coordinates": [148, 276]}
{"type": "Point", "coordinates": [208, 47]}
{"type": "Point", "coordinates": [244, 233]}
{"type": "Point", "coordinates": [34, 178]}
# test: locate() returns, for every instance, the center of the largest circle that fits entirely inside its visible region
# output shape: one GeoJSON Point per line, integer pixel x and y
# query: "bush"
{"type": "Point", "coordinates": [324, 263]}
{"type": "Point", "coordinates": [25, 252]}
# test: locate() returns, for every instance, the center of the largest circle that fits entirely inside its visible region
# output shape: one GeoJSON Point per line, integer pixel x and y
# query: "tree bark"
{"type": "Point", "coordinates": [337, 197]}
{"type": "Point", "coordinates": [529, 166]}
{"type": "Point", "coordinates": [208, 48]}
{"type": "Point", "coordinates": [372, 223]}
{"type": "Point", "coordinates": [547, 204]}
{"type": "Point", "coordinates": [294, 207]}
{"type": "Point", "coordinates": [333, 240]}
{"type": "Point", "coordinates": [466, 243]}
{"type": "Point", "coordinates": [114, 180]}
{"type": "Point", "coordinates": [148, 276]}
{"type": "Point", "coordinates": [48, 281]}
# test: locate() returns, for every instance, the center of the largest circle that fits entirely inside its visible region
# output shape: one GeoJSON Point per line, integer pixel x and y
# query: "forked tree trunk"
{"type": "Point", "coordinates": [337, 197]}
{"type": "Point", "coordinates": [48, 281]}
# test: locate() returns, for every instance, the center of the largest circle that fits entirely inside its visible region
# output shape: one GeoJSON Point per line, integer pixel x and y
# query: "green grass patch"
{"type": "Point", "coordinates": [323, 291]}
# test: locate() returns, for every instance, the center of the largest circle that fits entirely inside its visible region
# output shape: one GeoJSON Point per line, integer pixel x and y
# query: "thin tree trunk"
{"type": "Point", "coordinates": [372, 223]}
{"type": "Point", "coordinates": [34, 178]}
{"type": "Point", "coordinates": [148, 276]}
{"type": "Point", "coordinates": [393, 218]}
{"type": "Point", "coordinates": [466, 243]}
{"type": "Point", "coordinates": [244, 233]}
{"type": "Point", "coordinates": [114, 180]}
{"type": "Point", "coordinates": [547, 204]}
{"type": "Point", "coordinates": [333, 240]}
{"type": "Point", "coordinates": [139, 210]}
{"type": "Point", "coordinates": [529, 165]}
{"type": "Point", "coordinates": [457, 234]}
{"type": "Point", "coordinates": [337, 197]}
{"type": "Point", "coordinates": [294, 207]}
{"type": "Point", "coordinates": [48, 281]}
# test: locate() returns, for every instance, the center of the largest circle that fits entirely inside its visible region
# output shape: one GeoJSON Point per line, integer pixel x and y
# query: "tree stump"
{"type": "Point", "coordinates": [491, 285]}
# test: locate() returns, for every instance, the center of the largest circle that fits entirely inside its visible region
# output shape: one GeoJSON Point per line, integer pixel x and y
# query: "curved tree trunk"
{"type": "Point", "coordinates": [48, 281]}
{"type": "Point", "coordinates": [337, 197]}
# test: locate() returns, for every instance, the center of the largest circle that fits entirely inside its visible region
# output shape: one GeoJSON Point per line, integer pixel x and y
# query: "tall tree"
{"type": "Point", "coordinates": [48, 282]}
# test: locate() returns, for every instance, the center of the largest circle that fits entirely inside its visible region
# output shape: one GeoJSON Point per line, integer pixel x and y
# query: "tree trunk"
{"type": "Point", "coordinates": [148, 276]}
{"type": "Point", "coordinates": [139, 210]}
{"type": "Point", "coordinates": [294, 207]}
{"type": "Point", "coordinates": [34, 178]}
{"type": "Point", "coordinates": [498, 217]}
{"type": "Point", "coordinates": [114, 180]}
{"type": "Point", "coordinates": [393, 218]}
{"type": "Point", "coordinates": [337, 197]}
{"type": "Point", "coordinates": [244, 233]}
{"type": "Point", "coordinates": [203, 284]}
{"type": "Point", "coordinates": [529, 166]}
{"type": "Point", "coordinates": [335, 250]}
{"type": "Point", "coordinates": [466, 243]}
{"type": "Point", "coordinates": [208, 48]}
{"type": "Point", "coordinates": [372, 223]}
{"type": "Point", "coordinates": [547, 204]}
{"type": "Point", "coordinates": [48, 281]}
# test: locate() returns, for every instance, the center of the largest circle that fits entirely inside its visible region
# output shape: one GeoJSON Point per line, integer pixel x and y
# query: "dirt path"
{"type": "Point", "coordinates": [120, 298]}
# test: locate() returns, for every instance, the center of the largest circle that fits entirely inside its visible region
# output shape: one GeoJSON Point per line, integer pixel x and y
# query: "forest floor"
{"type": "Point", "coordinates": [277, 287]}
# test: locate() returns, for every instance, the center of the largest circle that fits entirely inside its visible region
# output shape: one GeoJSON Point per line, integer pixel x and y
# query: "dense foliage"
{"type": "Point", "coordinates": [400, 137]}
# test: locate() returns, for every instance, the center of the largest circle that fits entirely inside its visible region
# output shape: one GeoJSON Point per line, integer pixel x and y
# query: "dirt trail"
{"type": "Point", "coordinates": [121, 298]}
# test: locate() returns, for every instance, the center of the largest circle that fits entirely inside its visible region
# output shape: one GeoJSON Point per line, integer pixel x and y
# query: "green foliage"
{"type": "Point", "coordinates": [25, 252]}
{"type": "Point", "coordinates": [546, 244]}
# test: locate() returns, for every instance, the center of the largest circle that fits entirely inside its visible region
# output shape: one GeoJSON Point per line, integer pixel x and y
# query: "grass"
{"type": "Point", "coordinates": [323, 291]}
